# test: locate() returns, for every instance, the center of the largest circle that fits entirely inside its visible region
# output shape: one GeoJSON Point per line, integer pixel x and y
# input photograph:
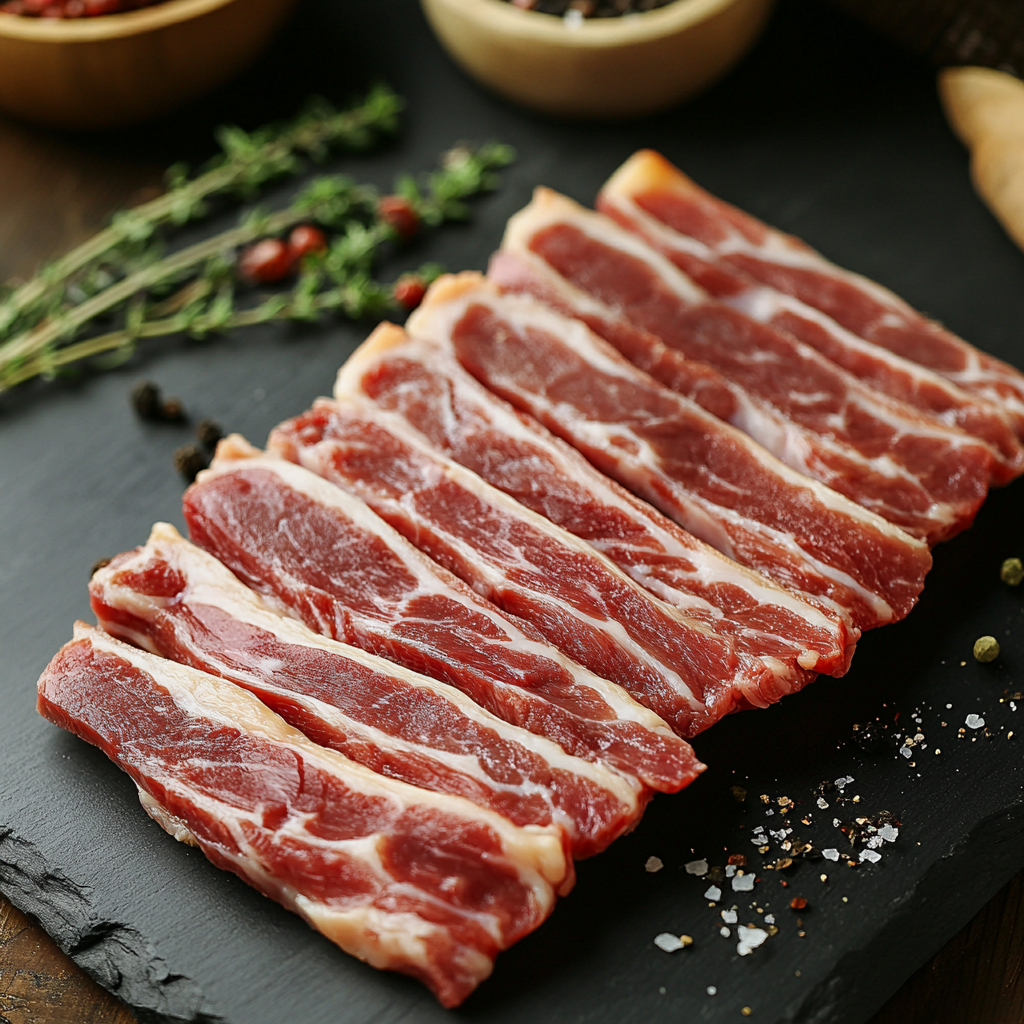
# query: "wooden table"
{"type": "Point", "coordinates": [53, 191]}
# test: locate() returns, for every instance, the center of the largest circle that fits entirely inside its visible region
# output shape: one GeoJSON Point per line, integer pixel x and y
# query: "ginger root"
{"type": "Point", "coordinates": [986, 110]}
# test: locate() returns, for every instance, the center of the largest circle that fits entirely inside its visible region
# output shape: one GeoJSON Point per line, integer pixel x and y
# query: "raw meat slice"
{"type": "Point", "coordinates": [647, 173]}
{"type": "Point", "coordinates": [575, 597]}
{"type": "Point", "coordinates": [708, 476]}
{"type": "Point", "coordinates": [409, 880]}
{"type": "Point", "coordinates": [923, 476]}
{"type": "Point", "coordinates": [858, 304]}
{"type": "Point", "coordinates": [423, 382]}
{"type": "Point", "coordinates": [175, 600]}
{"type": "Point", "coordinates": [324, 557]}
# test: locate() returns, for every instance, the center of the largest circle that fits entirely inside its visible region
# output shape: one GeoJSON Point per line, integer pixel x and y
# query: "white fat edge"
{"type": "Point", "coordinates": [494, 576]}
{"type": "Point", "coordinates": [170, 823]}
{"type": "Point", "coordinates": [436, 321]}
{"type": "Point", "coordinates": [530, 848]}
{"type": "Point", "coordinates": [687, 509]}
{"type": "Point", "coordinates": [211, 583]}
{"type": "Point", "coordinates": [548, 208]}
{"type": "Point", "coordinates": [498, 414]}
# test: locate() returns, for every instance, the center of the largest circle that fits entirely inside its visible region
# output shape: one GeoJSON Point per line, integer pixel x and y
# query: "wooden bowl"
{"type": "Point", "coordinates": [118, 69]}
{"type": "Point", "coordinates": [605, 67]}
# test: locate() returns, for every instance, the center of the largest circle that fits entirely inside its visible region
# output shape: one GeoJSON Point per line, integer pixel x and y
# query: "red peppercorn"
{"type": "Point", "coordinates": [738, 859]}
{"type": "Point", "coordinates": [399, 213]}
{"type": "Point", "coordinates": [798, 903]}
{"type": "Point", "coordinates": [306, 239]}
{"type": "Point", "coordinates": [409, 290]}
{"type": "Point", "coordinates": [266, 261]}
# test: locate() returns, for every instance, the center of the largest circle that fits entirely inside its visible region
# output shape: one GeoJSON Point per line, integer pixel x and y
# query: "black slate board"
{"type": "Point", "coordinates": [823, 131]}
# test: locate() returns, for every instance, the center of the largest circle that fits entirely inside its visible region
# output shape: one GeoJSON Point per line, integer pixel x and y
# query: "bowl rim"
{"type": "Point", "coordinates": [106, 26]}
{"type": "Point", "coordinates": [593, 33]}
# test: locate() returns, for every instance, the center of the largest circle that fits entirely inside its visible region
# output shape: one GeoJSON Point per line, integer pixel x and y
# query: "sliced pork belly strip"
{"type": "Point", "coordinates": [923, 476]}
{"type": "Point", "coordinates": [891, 374]}
{"type": "Point", "coordinates": [711, 478]}
{"type": "Point", "coordinates": [575, 597]}
{"type": "Point", "coordinates": [325, 558]}
{"type": "Point", "coordinates": [175, 600]}
{"type": "Point", "coordinates": [423, 382]}
{"type": "Point", "coordinates": [409, 880]}
{"type": "Point", "coordinates": [857, 303]}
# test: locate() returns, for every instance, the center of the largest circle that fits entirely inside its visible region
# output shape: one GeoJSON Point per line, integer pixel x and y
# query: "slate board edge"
{"type": "Point", "coordinates": [124, 961]}
{"type": "Point", "coordinates": [864, 980]}
{"type": "Point", "coordinates": [117, 956]}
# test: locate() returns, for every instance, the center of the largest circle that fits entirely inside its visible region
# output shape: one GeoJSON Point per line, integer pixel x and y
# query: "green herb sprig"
{"type": "Point", "coordinates": [195, 290]}
{"type": "Point", "coordinates": [247, 162]}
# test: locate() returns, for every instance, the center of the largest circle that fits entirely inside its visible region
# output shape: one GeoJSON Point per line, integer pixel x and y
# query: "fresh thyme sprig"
{"type": "Point", "coordinates": [247, 162]}
{"type": "Point", "coordinates": [193, 291]}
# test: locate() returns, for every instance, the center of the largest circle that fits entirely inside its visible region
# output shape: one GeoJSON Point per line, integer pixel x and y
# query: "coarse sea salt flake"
{"type": "Point", "coordinates": [729, 916]}
{"type": "Point", "coordinates": [822, 803]}
{"type": "Point", "coordinates": [654, 864]}
{"type": "Point", "coordinates": [697, 867]}
{"type": "Point", "coordinates": [871, 856]}
{"type": "Point", "coordinates": [668, 942]}
{"type": "Point", "coordinates": [906, 752]}
{"type": "Point", "coordinates": [889, 833]}
{"type": "Point", "coordinates": [730, 870]}
{"type": "Point", "coordinates": [711, 990]}
{"type": "Point", "coordinates": [713, 893]}
{"type": "Point", "coordinates": [842, 783]}
{"type": "Point", "coordinates": [769, 919]}
{"type": "Point", "coordinates": [830, 854]}
{"type": "Point", "coordinates": [743, 883]}
{"type": "Point", "coordinates": [750, 939]}
{"type": "Point", "coordinates": [974, 721]}
{"type": "Point", "coordinates": [874, 842]}
{"type": "Point", "coordinates": [724, 932]}
{"type": "Point", "coordinates": [836, 823]}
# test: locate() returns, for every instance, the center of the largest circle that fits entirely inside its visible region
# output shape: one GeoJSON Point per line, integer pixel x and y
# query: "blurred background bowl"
{"type": "Point", "coordinates": [604, 67]}
{"type": "Point", "coordinates": [119, 69]}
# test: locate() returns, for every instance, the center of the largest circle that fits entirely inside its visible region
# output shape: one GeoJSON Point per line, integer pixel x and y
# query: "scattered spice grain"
{"type": "Point", "coordinates": [1012, 572]}
{"type": "Point", "coordinates": [986, 648]}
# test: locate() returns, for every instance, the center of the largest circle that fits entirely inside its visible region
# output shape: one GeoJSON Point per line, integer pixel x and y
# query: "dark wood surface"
{"type": "Point", "coordinates": [53, 191]}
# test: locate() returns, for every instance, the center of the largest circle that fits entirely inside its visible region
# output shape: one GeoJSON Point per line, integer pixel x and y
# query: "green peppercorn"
{"type": "Point", "coordinates": [986, 648]}
{"type": "Point", "coordinates": [1012, 572]}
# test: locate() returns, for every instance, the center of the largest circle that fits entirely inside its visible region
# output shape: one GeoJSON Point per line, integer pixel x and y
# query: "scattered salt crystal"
{"type": "Point", "coordinates": [888, 833]}
{"type": "Point", "coordinates": [573, 18]}
{"type": "Point", "coordinates": [842, 783]}
{"type": "Point", "coordinates": [830, 854]}
{"type": "Point", "coordinates": [730, 870]}
{"type": "Point", "coordinates": [654, 864]}
{"type": "Point", "coordinates": [668, 942]}
{"type": "Point", "coordinates": [770, 812]}
{"type": "Point", "coordinates": [836, 823]}
{"type": "Point", "coordinates": [974, 721]}
{"type": "Point", "coordinates": [760, 828]}
{"type": "Point", "coordinates": [743, 883]}
{"type": "Point", "coordinates": [769, 919]}
{"type": "Point", "coordinates": [750, 939]}
{"type": "Point", "coordinates": [713, 893]}
{"type": "Point", "coordinates": [729, 916]}
{"type": "Point", "coordinates": [870, 855]}
{"type": "Point", "coordinates": [906, 752]}
{"type": "Point", "coordinates": [697, 867]}
{"type": "Point", "coordinates": [711, 990]}
{"type": "Point", "coordinates": [948, 706]}
{"type": "Point", "coordinates": [874, 842]}
{"type": "Point", "coordinates": [822, 803]}
{"type": "Point", "coordinates": [1013, 706]}
{"type": "Point", "coordinates": [759, 840]}
{"type": "Point", "coordinates": [724, 932]}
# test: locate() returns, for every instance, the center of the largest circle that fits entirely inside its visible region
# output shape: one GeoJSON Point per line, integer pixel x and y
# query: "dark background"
{"type": "Point", "coordinates": [824, 131]}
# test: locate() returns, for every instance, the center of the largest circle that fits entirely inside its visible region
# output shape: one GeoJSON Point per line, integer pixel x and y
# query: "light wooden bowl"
{"type": "Point", "coordinates": [118, 69]}
{"type": "Point", "coordinates": [606, 67]}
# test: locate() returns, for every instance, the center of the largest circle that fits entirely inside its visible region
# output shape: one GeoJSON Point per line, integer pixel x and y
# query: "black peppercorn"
{"type": "Point", "coordinates": [209, 433]}
{"type": "Point", "coordinates": [145, 399]}
{"type": "Point", "coordinates": [189, 460]}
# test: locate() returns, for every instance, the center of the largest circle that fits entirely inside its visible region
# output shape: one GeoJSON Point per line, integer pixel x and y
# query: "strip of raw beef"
{"type": "Point", "coordinates": [857, 303]}
{"type": "Point", "coordinates": [420, 380]}
{"type": "Point", "coordinates": [175, 600]}
{"type": "Point", "coordinates": [923, 476]}
{"type": "Point", "coordinates": [647, 173]}
{"type": "Point", "coordinates": [405, 879]}
{"type": "Point", "coordinates": [324, 557]}
{"type": "Point", "coordinates": [712, 479]}
{"type": "Point", "coordinates": [576, 598]}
